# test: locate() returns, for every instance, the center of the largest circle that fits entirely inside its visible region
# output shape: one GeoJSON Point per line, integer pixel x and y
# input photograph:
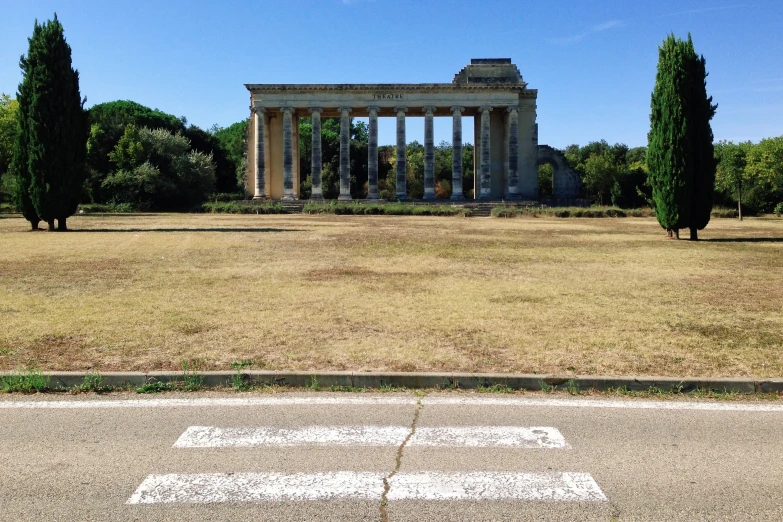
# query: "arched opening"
{"type": "Point", "coordinates": [546, 176]}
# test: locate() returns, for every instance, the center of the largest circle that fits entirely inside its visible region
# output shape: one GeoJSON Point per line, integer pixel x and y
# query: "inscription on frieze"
{"type": "Point", "coordinates": [388, 96]}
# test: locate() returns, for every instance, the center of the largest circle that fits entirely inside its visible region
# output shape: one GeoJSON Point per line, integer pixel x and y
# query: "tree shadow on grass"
{"type": "Point", "coordinates": [165, 229]}
{"type": "Point", "coordinates": [745, 240]}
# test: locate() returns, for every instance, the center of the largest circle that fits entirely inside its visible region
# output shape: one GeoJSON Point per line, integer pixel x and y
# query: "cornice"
{"type": "Point", "coordinates": [374, 88]}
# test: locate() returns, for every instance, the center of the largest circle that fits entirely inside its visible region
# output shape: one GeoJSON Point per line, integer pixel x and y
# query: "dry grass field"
{"type": "Point", "coordinates": [600, 296]}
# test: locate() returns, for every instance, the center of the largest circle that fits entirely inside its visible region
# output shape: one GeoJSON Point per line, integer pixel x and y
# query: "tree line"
{"type": "Point", "coordinates": [55, 155]}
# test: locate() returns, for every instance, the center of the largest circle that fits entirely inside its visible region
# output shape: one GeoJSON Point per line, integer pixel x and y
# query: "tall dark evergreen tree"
{"type": "Point", "coordinates": [19, 162]}
{"type": "Point", "coordinates": [679, 155]}
{"type": "Point", "coordinates": [52, 146]}
{"type": "Point", "coordinates": [704, 162]}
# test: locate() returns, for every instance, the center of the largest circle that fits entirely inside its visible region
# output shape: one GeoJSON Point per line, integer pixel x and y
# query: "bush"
{"type": "Point", "coordinates": [779, 209]}
{"type": "Point", "coordinates": [226, 196]}
{"type": "Point", "coordinates": [388, 209]}
{"type": "Point", "coordinates": [724, 213]}
{"type": "Point", "coordinates": [505, 211]}
{"type": "Point", "coordinates": [240, 207]}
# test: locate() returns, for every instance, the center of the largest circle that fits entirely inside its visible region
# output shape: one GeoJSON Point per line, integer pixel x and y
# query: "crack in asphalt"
{"type": "Point", "coordinates": [398, 463]}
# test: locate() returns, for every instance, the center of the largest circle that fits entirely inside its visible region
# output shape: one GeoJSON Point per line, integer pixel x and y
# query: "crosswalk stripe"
{"type": "Point", "coordinates": [343, 485]}
{"type": "Point", "coordinates": [462, 436]}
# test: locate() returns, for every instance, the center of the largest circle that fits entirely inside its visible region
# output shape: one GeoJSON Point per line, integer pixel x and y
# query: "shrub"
{"type": "Point", "coordinates": [239, 207]}
{"type": "Point", "coordinates": [389, 209]}
{"type": "Point", "coordinates": [779, 209]}
{"type": "Point", "coordinates": [724, 213]}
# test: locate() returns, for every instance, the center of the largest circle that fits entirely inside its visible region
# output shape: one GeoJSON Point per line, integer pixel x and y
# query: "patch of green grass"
{"type": "Point", "coordinates": [156, 387]}
{"type": "Point", "coordinates": [547, 388]}
{"type": "Point", "coordinates": [25, 382]}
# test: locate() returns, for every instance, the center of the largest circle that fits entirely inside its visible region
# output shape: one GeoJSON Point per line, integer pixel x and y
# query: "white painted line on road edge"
{"type": "Point", "coordinates": [209, 402]}
{"type": "Point", "coordinates": [601, 403]}
{"type": "Point", "coordinates": [343, 485]}
{"type": "Point", "coordinates": [462, 436]}
{"type": "Point", "coordinates": [631, 404]}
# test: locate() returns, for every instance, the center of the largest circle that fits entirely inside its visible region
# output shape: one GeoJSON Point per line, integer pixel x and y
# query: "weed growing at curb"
{"type": "Point", "coordinates": [93, 382]}
{"type": "Point", "coordinates": [494, 388]}
{"type": "Point", "coordinates": [386, 388]}
{"type": "Point", "coordinates": [314, 383]}
{"type": "Point", "coordinates": [351, 389]}
{"type": "Point", "coordinates": [28, 382]}
{"type": "Point", "coordinates": [194, 381]}
{"type": "Point", "coordinates": [547, 388]}
{"type": "Point", "coordinates": [155, 387]}
{"type": "Point", "coordinates": [572, 387]}
{"type": "Point", "coordinates": [238, 380]}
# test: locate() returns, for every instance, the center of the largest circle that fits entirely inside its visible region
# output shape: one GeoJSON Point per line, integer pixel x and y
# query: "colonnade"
{"type": "Point", "coordinates": [483, 185]}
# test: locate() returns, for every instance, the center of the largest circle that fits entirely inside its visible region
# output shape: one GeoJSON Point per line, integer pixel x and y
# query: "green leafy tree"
{"type": "Point", "coordinates": [232, 141]}
{"type": "Point", "coordinates": [765, 166]}
{"type": "Point", "coordinates": [731, 173]}
{"type": "Point", "coordinates": [8, 110]}
{"type": "Point", "coordinates": [8, 130]}
{"type": "Point", "coordinates": [600, 173]}
{"type": "Point", "coordinates": [680, 154]}
{"type": "Point", "coordinates": [108, 122]}
{"type": "Point", "coordinates": [158, 170]}
{"type": "Point", "coordinates": [50, 151]}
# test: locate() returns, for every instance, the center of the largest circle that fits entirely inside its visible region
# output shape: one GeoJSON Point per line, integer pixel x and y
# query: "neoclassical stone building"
{"type": "Point", "coordinates": [507, 154]}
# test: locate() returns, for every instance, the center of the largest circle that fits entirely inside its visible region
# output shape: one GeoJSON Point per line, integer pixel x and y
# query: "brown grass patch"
{"type": "Point", "coordinates": [543, 295]}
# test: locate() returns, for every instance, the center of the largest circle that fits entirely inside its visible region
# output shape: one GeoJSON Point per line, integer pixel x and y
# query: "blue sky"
{"type": "Point", "coordinates": [592, 62]}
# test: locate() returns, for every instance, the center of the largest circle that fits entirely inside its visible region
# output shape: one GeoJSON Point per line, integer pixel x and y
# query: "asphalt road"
{"type": "Point", "coordinates": [325, 456]}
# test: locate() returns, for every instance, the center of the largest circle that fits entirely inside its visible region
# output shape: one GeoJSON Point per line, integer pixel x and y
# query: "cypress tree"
{"type": "Point", "coordinates": [704, 163]}
{"type": "Point", "coordinates": [19, 168]}
{"type": "Point", "coordinates": [53, 149]}
{"type": "Point", "coordinates": [680, 151]}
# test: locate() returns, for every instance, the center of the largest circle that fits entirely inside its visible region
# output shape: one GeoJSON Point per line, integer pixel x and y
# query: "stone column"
{"type": "Point", "coordinates": [316, 161]}
{"type": "Point", "coordinates": [259, 113]}
{"type": "Point", "coordinates": [288, 154]}
{"type": "Point", "coordinates": [372, 154]}
{"type": "Point", "coordinates": [345, 154]}
{"type": "Point", "coordinates": [429, 153]}
{"type": "Point", "coordinates": [512, 191]}
{"type": "Point", "coordinates": [456, 157]}
{"type": "Point", "coordinates": [402, 190]}
{"type": "Point", "coordinates": [485, 182]}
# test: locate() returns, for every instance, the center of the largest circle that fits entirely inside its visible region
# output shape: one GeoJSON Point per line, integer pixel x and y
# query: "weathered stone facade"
{"type": "Point", "coordinates": [490, 90]}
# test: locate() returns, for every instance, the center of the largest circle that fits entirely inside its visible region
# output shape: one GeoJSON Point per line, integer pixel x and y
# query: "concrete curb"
{"type": "Point", "coordinates": [415, 380]}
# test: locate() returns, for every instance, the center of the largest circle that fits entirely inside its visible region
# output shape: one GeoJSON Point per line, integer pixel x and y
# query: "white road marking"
{"type": "Point", "coordinates": [561, 487]}
{"type": "Point", "coordinates": [213, 437]}
{"type": "Point", "coordinates": [266, 487]}
{"type": "Point", "coordinates": [209, 402]}
{"type": "Point", "coordinates": [631, 404]}
{"type": "Point", "coordinates": [258, 487]}
{"type": "Point", "coordinates": [468, 436]}
{"type": "Point", "coordinates": [490, 436]}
